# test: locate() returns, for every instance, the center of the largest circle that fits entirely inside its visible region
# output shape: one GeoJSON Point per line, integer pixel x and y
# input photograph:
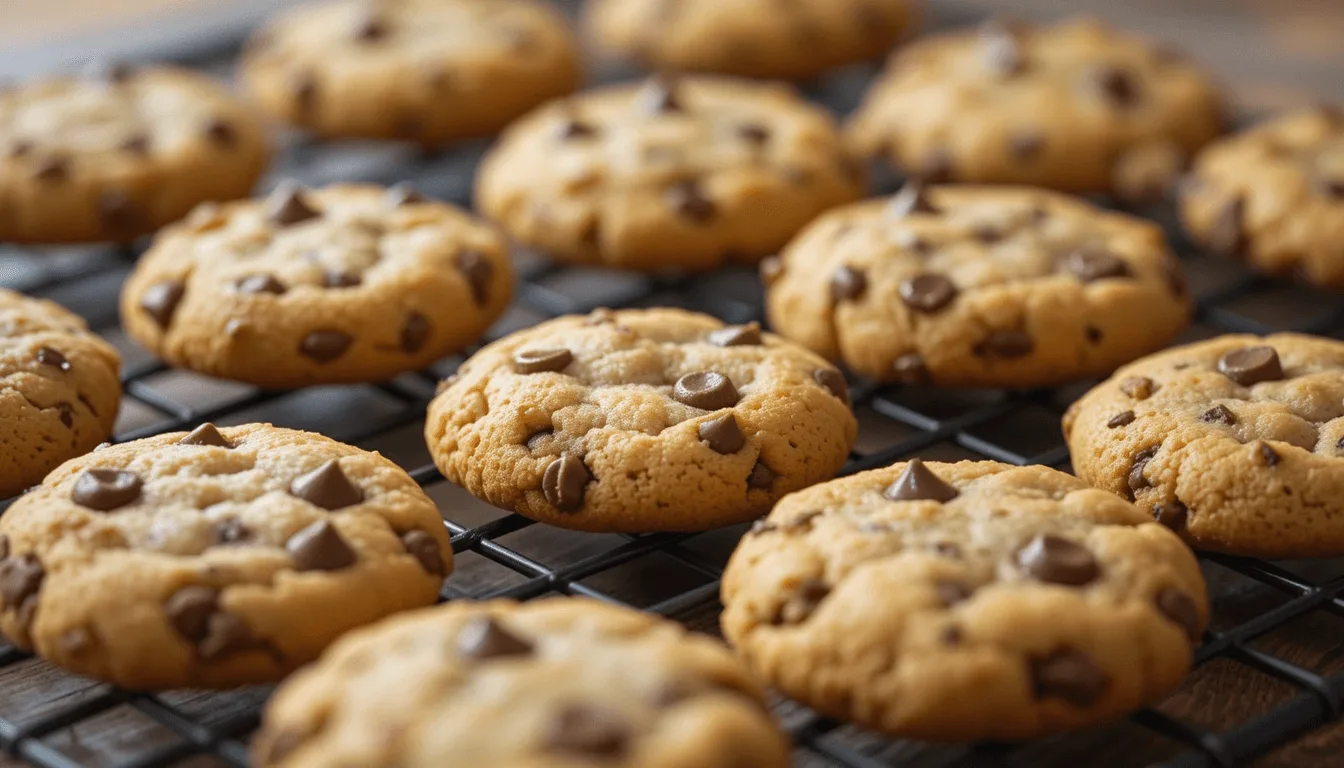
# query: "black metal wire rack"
{"type": "Point", "coordinates": [1268, 672]}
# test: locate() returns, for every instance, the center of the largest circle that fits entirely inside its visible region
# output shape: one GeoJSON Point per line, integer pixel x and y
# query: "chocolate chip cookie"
{"type": "Point", "coordinates": [563, 681]}
{"type": "Point", "coordinates": [1077, 107]}
{"type": "Point", "coordinates": [430, 71]}
{"type": "Point", "coordinates": [640, 420]}
{"type": "Point", "coordinates": [754, 38]}
{"type": "Point", "coordinates": [1236, 443]}
{"type": "Point", "coordinates": [119, 152]}
{"type": "Point", "coordinates": [977, 286]}
{"type": "Point", "coordinates": [342, 284]}
{"type": "Point", "coordinates": [1274, 195]}
{"type": "Point", "coordinates": [59, 390]}
{"type": "Point", "coordinates": [214, 558]}
{"type": "Point", "coordinates": [674, 173]}
{"type": "Point", "coordinates": [959, 602]}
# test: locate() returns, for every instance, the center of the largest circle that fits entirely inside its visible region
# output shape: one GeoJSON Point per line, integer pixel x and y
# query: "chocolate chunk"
{"type": "Point", "coordinates": [1265, 454]}
{"type": "Point", "coordinates": [1219, 414]}
{"type": "Point", "coordinates": [371, 28]}
{"type": "Point", "coordinates": [50, 357]}
{"type": "Point", "coordinates": [230, 530]}
{"type": "Point", "coordinates": [53, 168]}
{"type": "Point", "coordinates": [414, 333]}
{"type": "Point", "coordinates": [833, 381]}
{"type": "Point", "coordinates": [403, 193]}
{"type": "Point", "coordinates": [659, 96]}
{"type": "Point", "coordinates": [848, 283]}
{"type": "Point", "coordinates": [688, 199]}
{"type": "Point", "coordinates": [1251, 365]}
{"type": "Point", "coordinates": [1116, 86]}
{"type": "Point", "coordinates": [564, 482]}
{"type": "Point", "coordinates": [1027, 143]}
{"type": "Point", "coordinates": [799, 608]}
{"type": "Point", "coordinates": [324, 346]}
{"type": "Point", "coordinates": [707, 390]}
{"type": "Point", "coordinates": [911, 199]}
{"type": "Point", "coordinates": [478, 270]}
{"type": "Point", "coordinates": [1174, 514]}
{"type": "Point", "coordinates": [206, 434]}
{"type": "Point", "coordinates": [319, 547]}
{"type": "Point", "coordinates": [544, 360]}
{"type": "Point", "coordinates": [106, 489]}
{"type": "Point", "coordinates": [1005, 344]}
{"type": "Point", "coordinates": [118, 211]}
{"type": "Point", "coordinates": [1122, 419]}
{"type": "Point", "coordinates": [225, 634]}
{"type": "Point", "coordinates": [1138, 387]}
{"type": "Point", "coordinates": [573, 128]}
{"type": "Point", "coordinates": [288, 205]}
{"type": "Point", "coordinates": [999, 49]}
{"type": "Point", "coordinates": [221, 132]}
{"type": "Point", "coordinates": [1091, 264]}
{"type": "Point", "coordinates": [771, 269]}
{"type": "Point", "coordinates": [337, 278]}
{"type": "Point", "coordinates": [189, 610]}
{"type": "Point", "coordinates": [1226, 235]}
{"type": "Point", "coordinates": [1069, 675]}
{"type": "Point", "coordinates": [1180, 608]}
{"type": "Point", "coordinates": [254, 284]}
{"type": "Point", "coordinates": [918, 483]}
{"type": "Point", "coordinates": [928, 292]}
{"type": "Point", "coordinates": [1137, 481]}
{"type": "Point", "coordinates": [754, 133]}
{"type": "Point", "coordinates": [425, 550]}
{"type": "Point", "coordinates": [588, 731]}
{"type": "Point", "coordinates": [136, 144]}
{"type": "Point", "coordinates": [20, 578]}
{"type": "Point", "coordinates": [910, 368]}
{"type": "Point", "coordinates": [1057, 560]}
{"type": "Point", "coordinates": [951, 592]}
{"type": "Point", "coordinates": [722, 434]}
{"type": "Point", "coordinates": [327, 487]}
{"type": "Point", "coordinates": [485, 638]}
{"type": "Point", "coordinates": [737, 335]}
{"type": "Point", "coordinates": [761, 477]}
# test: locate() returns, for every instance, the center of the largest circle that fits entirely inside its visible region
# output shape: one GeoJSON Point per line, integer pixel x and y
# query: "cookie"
{"type": "Point", "coordinates": [117, 153]}
{"type": "Point", "coordinates": [961, 602]}
{"type": "Point", "coordinates": [59, 390]}
{"type": "Point", "coordinates": [977, 286]}
{"type": "Point", "coordinates": [1236, 443]}
{"type": "Point", "coordinates": [613, 421]}
{"type": "Point", "coordinates": [1076, 107]}
{"type": "Point", "coordinates": [682, 173]}
{"type": "Point", "coordinates": [1274, 195]}
{"type": "Point", "coordinates": [754, 38]}
{"type": "Point", "coordinates": [559, 682]}
{"type": "Point", "coordinates": [214, 558]}
{"type": "Point", "coordinates": [430, 71]}
{"type": "Point", "coordinates": [342, 284]}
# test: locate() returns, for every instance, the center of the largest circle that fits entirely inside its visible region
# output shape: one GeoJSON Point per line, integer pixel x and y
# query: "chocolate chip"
{"type": "Point", "coordinates": [425, 550]}
{"type": "Point", "coordinates": [737, 335]}
{"type": "Point", "coordinates": [254, 284]}
{"type": "Point", "coordinates": [1057, 560]}
{"type": "Point", "coordinates": [221, 132]}
{"type": "Point", "coordinates": [415, 333]}
{"type": "Point", "coordinates": [189, 610]}
{"type": "Point", "coordinates": [544, 360]}
{"type": "Point", "coordinates": [324, 346]}
{"type": "Point", "coordinates": [337, 278]}
{"type": "Point", "coordinates": [1266, 454]}
{"type": "Point", "coordinates": [918, 483]}
{"type": "Point", "coordinates": [1226, 235]}
{"type": "Point", "coordinates": [761, 477]}
{"type": "Point", "coordinates": [1138, 387]}
{"type": "Point", "coordinates": [288, 205]}
{"type": "Point", "coordinates": [1219, 414]}
{"type": "Point", "coordinates": [806, 599]}
{"type": "Point", "coordinates": [1122, 419]}
{"type": "Point", "coordinates": [137, 144]}
{"type": "Point", "coordinates": [225, 634]}
{"type": "Point", "coordinates": [1174, 514]}
{"type": "Point", "coordinates": [722, 434]}
{"type": "Point", "coordinates": [1180, 608]}
{"type": "Point", "coordinates": [230, 530]}
{"type": "Point", "coordinates": [206, 434]}
{"type": "Point", "coordinates": [106, 489]}
{"type": "Point", "coordinates": [1091, 264]}
{"type": "Point", "coordinates": [573, 128]}
{"type": "Point", "coordinates": [1116, 86]}
{"type": "Point", "coordinates": [1137, 481]}
{"type": "Point", "coordinates": [659, 96]}
{"type": "Point", "coordinates": [53, 168]}
{"type": "Point", "coordinates": [833, 381]}
{"type": "Point", "coordinates": [910, 368]}
{"type": "Point", "coordinates": [771, 269]}
{"type": "Point", "coordinates": [485, 638]}
{"type": "Point", "coordinates": [1251, 365]}
{"type": "Point", "coordinates": [1000, 50]}
{"type": "Point", "coordinates": [707, 390]}
{"type": "Point", "coordinates": [67, 412]}
{"type": "Point", "coordinates": [688, 199]}
{"type": "Point", "coordinates": [20, 578]}
{"type": "Point", "coordinates": [754, 133]}
{"type": "Point", "coordinates": [928, 292]}
{"type": "Point", "coordinates": [1092, 333]}
{"type": "Point", "coordinates": [565, 481]}
{"type": "Point", "coordinates": [1005, 344]}
{"type": "Point", "coordinates": [589, 731]}
{"type": "Point", "coordinates": [118, 211]}
{"type": "Point", "coordinates": [403, 193]}
{"type": "Point", "coordinates": [848, 283]}
{"type": "Point", "coordinates": [951, 592]}
{"type": "Point", "coordinates": [371, 28]}
{"type": "Point", "coordinates": [319, 547]}
{"type": "Point", "coordinates": [327, 487]}
{"type": "Point", "coordinates": [911, 199]}
{"type": "Point", "coordinates": [1069, 675]}
{"type": "Point", "coordinates": [50, 357]}
{"type": "Point", "coordinates": [1026, 144]}
{"type": "Point", "coordinates": [478, 270]}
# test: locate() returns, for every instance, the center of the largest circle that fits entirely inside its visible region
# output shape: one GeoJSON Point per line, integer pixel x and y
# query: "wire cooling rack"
{"type": "Point", "coordinates": [1269, 675]}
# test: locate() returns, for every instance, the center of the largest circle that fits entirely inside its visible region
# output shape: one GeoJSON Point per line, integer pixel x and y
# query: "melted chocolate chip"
{"type": "Point", "coordinates": [50, 357]}
{"type": "Point", "coordinates": [319, 547]}
{"type": "Point", "coordinates": [1138, 387]}
{"type": "Point", "coordinates": [1069, 675]}
{"type": "Point", "coordinates": [254, 284]}
{"type": "Point", "coordinates": [414, 333]}
{"type": "Point", "coordinates": [106, 489]}
{"type": "Point", "coordinates": [225, 634]}
{"type": "Point", "coordinates": [1266, 455]}
{"type": "Point", "coordinates": [1174, 514]}
{"type": "Point", "coordinates": [833, 381]}
{"type": "Point", "coordinates": [688, 199]}
{"type": "Point", "coordinates": [67, 412]}
{"type": "Point", "coordinates": [762, 477]}
{"type": "Point", "coordinates": [707, 390]}
{"type": "Point", "coordinates": [1057, 560]}
{"type": "Point", "coordinates": [327, 487]}
{"type": "Point", "coordinates": [324, 346]}
{"type": "Point", "coordinates": [1251, 365]}
{"type": "Point", "coordinates": [20, 579]}
{"type": "Point", "coordinates": [848, 283]}
{"type": "Point", "coordinates": [737, 335]}
{"type": "Point", "coordinates": [910, 368]}
{"type": "Point", "coordinates": [918, 483]}
{"type": "Point", "coordinates": [565, 481]}
{"type": "Point", "coordinates": [189, 610]}
{"type": "Point", "coordinates": [1005, 344]}
{"type": "Point", "coordinates": [288, 205]}
{"type": "Point", "coordinates": [546, 360]}
{"type": "Point", "coordinates": [1092, 264]}
{"type": "Point", "coordinates": [911, 199]}
{"type": "Point", "coordinates": [722, 434]}
{"type": "Point", "coordinates": [1180, 609]}
{"type": "Point", "coordinates": [1122, 419]}
{"type": "Point", "coordinates": [1218, 414]}
{"type": "Point", "coordinates": [206, 434]}
{"type": "Point", "coordinates": [1137, 481]}
{"type": "Point", "coordinates": [425, 550]}
{"type": "Point", "coordinates": [589, 731]}
{"type": "Point", "coordinates": [485, 638]}
{"type": "Point", "coordinates": [928, 292]}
